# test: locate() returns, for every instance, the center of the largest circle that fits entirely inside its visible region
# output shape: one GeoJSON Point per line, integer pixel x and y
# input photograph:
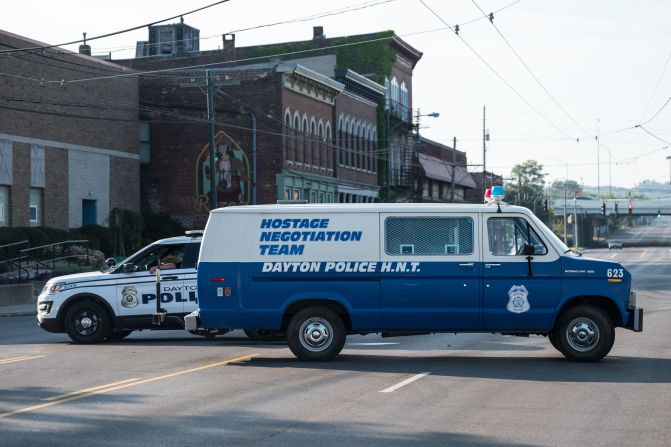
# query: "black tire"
{"type": "Point", "coordinates": [553, 341]}
{"type": "Point", "coordinates": [316, 334]}
{"type": "Point", "coordinates": [264, 335]}
{"type": "Point", "coordinates": [87, 322]}
{"type": "Point", "coordinates": [585, 333]}
{"type": "Point", "coordinates": [118, 335]}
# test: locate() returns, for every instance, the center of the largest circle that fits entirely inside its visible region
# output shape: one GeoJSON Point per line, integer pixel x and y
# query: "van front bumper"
{"type": "Point", "coordinates": [635, 322]}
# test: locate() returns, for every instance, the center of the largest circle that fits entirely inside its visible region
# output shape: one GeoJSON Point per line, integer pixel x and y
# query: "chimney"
{"type": "Point", "coordinates": [229, 41]}
{"type": "Point", "coordinates": [318, 32]}
{"type": "Point", "coordinates": [85, 49]}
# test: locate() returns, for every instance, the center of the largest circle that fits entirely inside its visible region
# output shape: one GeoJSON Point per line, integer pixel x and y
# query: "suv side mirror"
{"type": "Point", "coordinates": [110, 262]}
{"type": "Point", "coordinates": [529, 250]}
{"type": "Point", "coordinates": [127, 268]}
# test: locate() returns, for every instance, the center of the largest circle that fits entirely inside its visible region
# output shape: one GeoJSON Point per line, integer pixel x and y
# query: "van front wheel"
{"type": "Point", "coordinates": [316, 334]}
{"type": "Point", "coordinates": [585, 334]}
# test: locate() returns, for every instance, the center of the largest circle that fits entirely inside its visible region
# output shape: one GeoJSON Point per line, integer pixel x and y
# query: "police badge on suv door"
{"type": "Point", "coordinates": [129, 297]}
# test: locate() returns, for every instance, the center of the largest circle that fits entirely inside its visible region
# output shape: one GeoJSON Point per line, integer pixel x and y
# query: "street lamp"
{"type": "Point", "coordinates": [419, 192]}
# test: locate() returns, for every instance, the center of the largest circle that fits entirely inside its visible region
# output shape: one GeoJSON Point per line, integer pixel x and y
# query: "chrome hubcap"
{"type": "Point", "coordinates": [582, 334]}
{"type": "Point", "coordinates": [316, 334]}
{"type": "Point", "coordinates": [86, 322]}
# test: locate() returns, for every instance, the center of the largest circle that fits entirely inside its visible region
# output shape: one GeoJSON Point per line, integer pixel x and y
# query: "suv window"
{"type": "Point", "coordinates": [508, 235]}
{"type": "Point", "coordinates": [173, 254]}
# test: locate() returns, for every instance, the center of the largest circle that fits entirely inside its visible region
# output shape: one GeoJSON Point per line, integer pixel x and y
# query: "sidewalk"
{"type": "Point", "coordinates": [18, 310]}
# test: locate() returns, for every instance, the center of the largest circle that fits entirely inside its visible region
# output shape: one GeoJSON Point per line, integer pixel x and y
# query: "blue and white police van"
{"type": "Point", "coordinates": [110, 305]}
{"type": "Point", "coordinates": [320, 272]}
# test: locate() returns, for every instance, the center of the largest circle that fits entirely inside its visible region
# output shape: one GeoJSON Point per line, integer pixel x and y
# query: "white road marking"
{"type": "Point", "coordinates": [613, 255]}
{"type": "Point", "coordinates": [404, 382]}
{"type": "Point", "coordinates": [374, 344]}
{"type": "Point", "coordinates": [644, 252]}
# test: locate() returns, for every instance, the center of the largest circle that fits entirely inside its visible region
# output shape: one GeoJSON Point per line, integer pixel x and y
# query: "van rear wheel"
{"type": "Point", "coordinates": [316, 334]}
{"type": "Point", "coordinates": [585, 334]}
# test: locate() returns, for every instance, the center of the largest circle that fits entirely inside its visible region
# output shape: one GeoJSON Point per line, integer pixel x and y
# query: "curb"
{"type": "Point", "coordinates": [17, 314]}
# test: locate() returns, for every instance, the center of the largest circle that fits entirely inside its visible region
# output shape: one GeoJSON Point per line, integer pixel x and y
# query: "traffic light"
{"type": "Point", "coordinates": [617, 212]}
{"type": "Point", "coordinates": [545, 205]}
{"type": "Point", "coordinates": [630, 209]}
{"type": "Point", "coordinates": [603, 208]}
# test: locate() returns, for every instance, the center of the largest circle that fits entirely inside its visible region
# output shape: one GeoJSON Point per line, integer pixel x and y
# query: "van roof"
{"type": "Point", "coordinates": [372, 208]}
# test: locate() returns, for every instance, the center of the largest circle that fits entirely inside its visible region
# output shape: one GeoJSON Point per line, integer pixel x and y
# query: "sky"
{"type": "Point", "coordinates": [552, 75]}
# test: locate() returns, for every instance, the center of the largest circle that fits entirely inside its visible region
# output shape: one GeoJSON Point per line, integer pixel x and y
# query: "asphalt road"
{"type": "Point", "coordinates": [168, 388]}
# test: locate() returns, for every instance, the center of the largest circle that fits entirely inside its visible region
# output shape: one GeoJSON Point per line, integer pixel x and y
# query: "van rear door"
{"type": "Point", "coordinates": [430, 271]}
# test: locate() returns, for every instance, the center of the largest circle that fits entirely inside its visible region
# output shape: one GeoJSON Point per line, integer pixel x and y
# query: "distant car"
{"type": "Point", "coordinates": [614, 244]}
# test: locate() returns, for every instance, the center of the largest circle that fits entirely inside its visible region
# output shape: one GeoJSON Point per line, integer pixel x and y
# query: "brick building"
{"type": "Point", "coordinates": [275, 117]}
{"type": "Point", "coordinates": [68, 150]}
{"type": "Point", "coordinates": [438, 165]}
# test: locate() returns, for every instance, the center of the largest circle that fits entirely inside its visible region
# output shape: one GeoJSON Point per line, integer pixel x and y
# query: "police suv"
{"type": "Point", "coordinates": [95, 306]}
{"type": "Point", "coordinates": [320, 272]}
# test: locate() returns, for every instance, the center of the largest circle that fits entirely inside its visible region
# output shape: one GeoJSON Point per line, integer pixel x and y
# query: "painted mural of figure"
{"type": "Point", "coordinates": [223, 167]}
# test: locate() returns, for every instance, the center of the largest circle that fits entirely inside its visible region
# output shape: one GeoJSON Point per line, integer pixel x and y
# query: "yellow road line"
{"type": "Point", "coordinates": [109, 388]}
{"type": "Point", "coordinates": [88, 390]}
{"type": "Point", "coordinates": [20, 359]}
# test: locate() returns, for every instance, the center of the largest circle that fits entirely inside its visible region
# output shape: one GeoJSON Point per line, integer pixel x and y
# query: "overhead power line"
{"type": "Point", "coordinates": [528, 69]}
{"type": "Point", "coordinates": [497, 74]}
{"type": "Point", "coordinates": [114, 33]}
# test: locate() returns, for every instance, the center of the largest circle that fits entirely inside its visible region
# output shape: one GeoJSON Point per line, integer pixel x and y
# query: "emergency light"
{"type": "Point", "coordinates": [488, 195]}
{"type": "Point", "coordinates": [498, 193]}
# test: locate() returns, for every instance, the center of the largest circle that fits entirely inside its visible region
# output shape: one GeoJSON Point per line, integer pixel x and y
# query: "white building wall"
{"type": "Point", "coordinates": [88, 178]}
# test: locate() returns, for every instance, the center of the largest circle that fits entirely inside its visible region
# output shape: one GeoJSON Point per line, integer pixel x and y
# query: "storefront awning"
{"type": "Point", "coordinates": [437, 169]}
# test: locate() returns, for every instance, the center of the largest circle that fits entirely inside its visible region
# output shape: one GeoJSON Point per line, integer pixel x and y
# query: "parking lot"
{"type": "Point", "coordinates": [170, 388]}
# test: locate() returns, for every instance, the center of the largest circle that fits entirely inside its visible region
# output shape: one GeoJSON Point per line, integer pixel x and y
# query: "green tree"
{"type": "Point", "coordinates": [526, 187]}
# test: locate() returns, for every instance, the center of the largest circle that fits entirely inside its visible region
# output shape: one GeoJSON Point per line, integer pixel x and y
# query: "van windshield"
{"type": "Point", "coordinates": [554, 239]}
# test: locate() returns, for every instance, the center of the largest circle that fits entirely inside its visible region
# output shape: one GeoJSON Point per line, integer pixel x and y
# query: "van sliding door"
{"type": "Point", "coordinates": [430, 271]}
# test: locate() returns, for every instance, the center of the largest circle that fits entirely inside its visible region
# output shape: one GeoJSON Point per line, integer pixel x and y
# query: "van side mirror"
{"type": "Point", "coordinates": [529, 250]}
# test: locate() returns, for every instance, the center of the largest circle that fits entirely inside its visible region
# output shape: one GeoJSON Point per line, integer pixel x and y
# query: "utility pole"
{"type": "Point", "coordinates": [210, 131]}
{"type": "Point", "coordinates": [454, 167]}
{"type": "Point", "coordinates": [668, 157]}
{"type": "Point", "coordinates": [416, 169]}
{"type": "Point", "coordinates": [387, 112]}
{"type": "Point", "coordinates": [484, 151]}
{"type": "Point", "coordinates": [598, 162]}
{"type": "Point", "coordinates": [565, 205]}
{"type": "Point", "coordinates": [575, 213]}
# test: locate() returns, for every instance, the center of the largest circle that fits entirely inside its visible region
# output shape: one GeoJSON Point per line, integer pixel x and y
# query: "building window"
{"type": "Point", "coordinates": [329, 147]}
{"type": "Point", "coordinates": [329, 197]}
{"type": "Point", "coordinates": [144, 136]}
{"type": "Point", "coordinates": [35, 207]}
{"type": "Point", "coordinates": [166, 40]}
{"type": "Point", "coordinates": [4, 206]}
{"type": "Point", "coordinates": [322, 159]}
{"type": "Point", "coordinates": [287, 135]}
{"type": "Point", "coordinates": [313, 144]}
{"type": "Point", "coordinates": [313, 196]}
{"type": "Point", "coordinates": [405, 103]}
{"type": "Point", "coordinates": [304, 130]}
{"type": "Point", "coordinates": [350, 144]}
{"type": "Point", "coordinates": [297, 129]}
{"type": "Point", "coordinates": [394, 95]}
{"type": "Point", "coordinates": [428, 236]}
{"type": "Point", "coordinates": [287, 193]}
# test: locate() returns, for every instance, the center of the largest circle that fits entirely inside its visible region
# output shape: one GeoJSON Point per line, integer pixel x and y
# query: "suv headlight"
{"type": "Point", "coordinates": [54, 288]}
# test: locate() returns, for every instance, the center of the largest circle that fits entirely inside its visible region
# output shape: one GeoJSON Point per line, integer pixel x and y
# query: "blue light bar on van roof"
{"type": "Point", "coordinates": [498, 193]}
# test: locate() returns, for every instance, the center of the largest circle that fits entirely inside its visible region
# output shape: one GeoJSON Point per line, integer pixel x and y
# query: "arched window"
{"type": "Point", "coordinates": [405, 105]}
{"type": "Point", "coordinates": [313, 142]}
{"type": "Point", "coordinates": [304, 132]}
{"type": "Point", "coordinates": [366, 149]}
{"type": "Point", "coordinates": [341, 143]}
{"type": "Point", "coordinates": [394, 95]}
{"type": "Point", "coordinates": [321, 152]}
{"type": "Point", "coordinates": [350, 143]}
{"type": "Point", "coordinates": [329, 147]}
{"type": "Point", "coordinates": [387, 93]}
{"type": "Point", "coordinates": [357, 154]}
{"type": "Point", "coordinates": [297, 130]}
{"type": "Point", "coordinates": [373, 143]}
{"type": "Point", "coordinates": [287, 135]}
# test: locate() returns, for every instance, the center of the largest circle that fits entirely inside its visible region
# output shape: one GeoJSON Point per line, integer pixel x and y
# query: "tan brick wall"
{"type": "Point", "coordinates": [56, 188]}
{"type": "Point", "coordinates": [19, 214]}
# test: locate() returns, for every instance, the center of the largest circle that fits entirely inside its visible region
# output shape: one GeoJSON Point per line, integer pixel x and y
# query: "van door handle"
{"type": "Point", "coordinates": [467, 265]}
{"type": "Point", "coordinates": [169, 278]}
{"type": "Point", "coordinates": [488, 266]}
